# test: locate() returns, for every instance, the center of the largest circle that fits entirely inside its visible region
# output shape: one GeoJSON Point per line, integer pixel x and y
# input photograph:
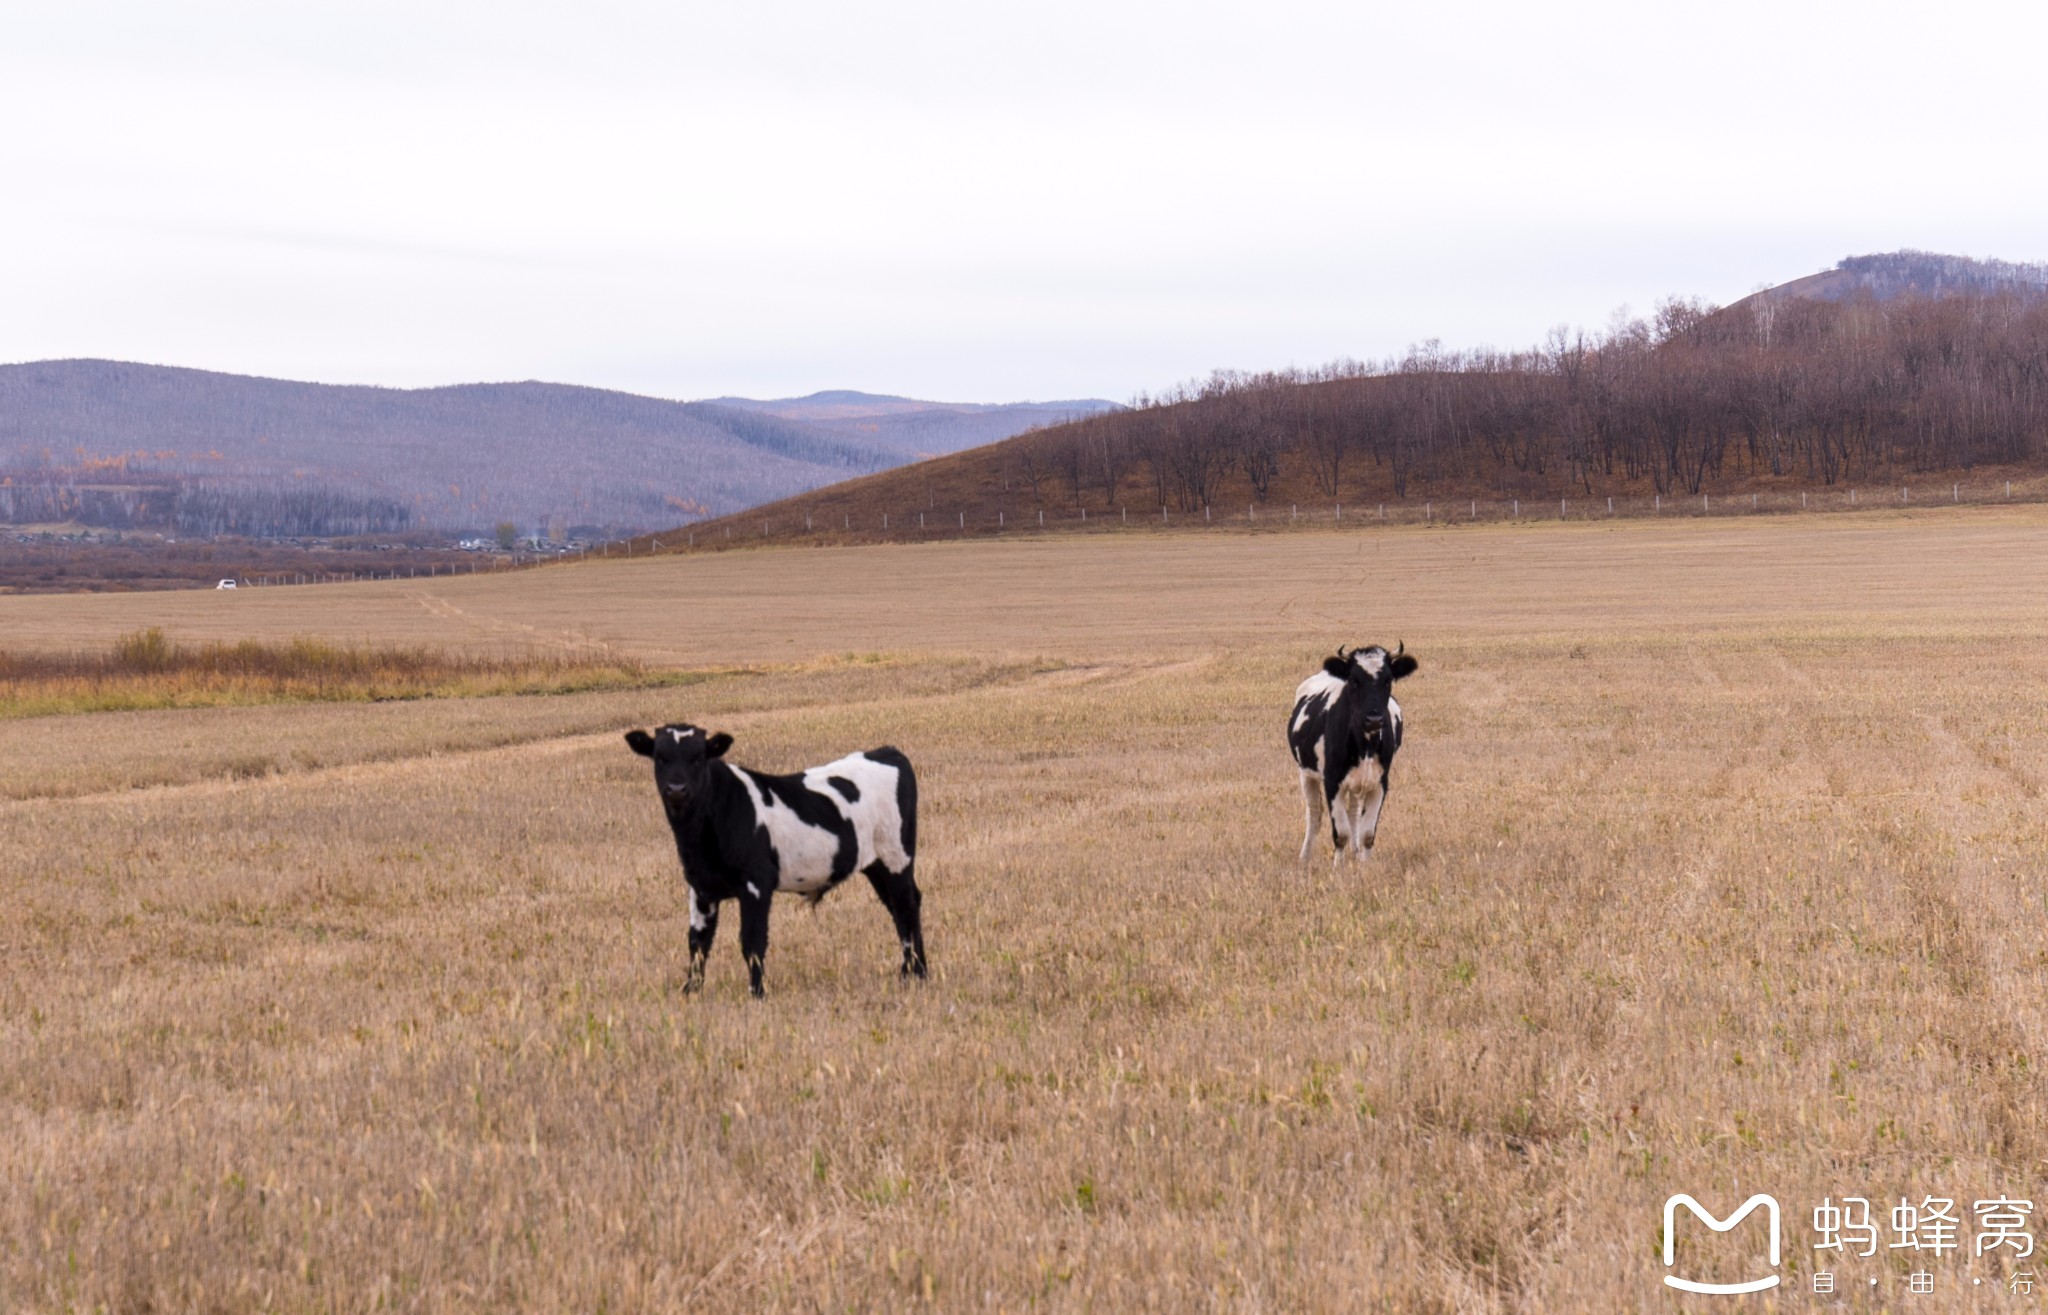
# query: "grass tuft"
{"type": "Point", "coordinates": [147, 669]}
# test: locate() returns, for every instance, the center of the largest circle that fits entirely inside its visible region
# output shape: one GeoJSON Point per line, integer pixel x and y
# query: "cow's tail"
{"type": "Point", "coordinates": [906, 793]}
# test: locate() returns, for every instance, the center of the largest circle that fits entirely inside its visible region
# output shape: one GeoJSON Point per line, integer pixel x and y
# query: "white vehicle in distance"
{"type": "Point", "coordinates": [225, 584]}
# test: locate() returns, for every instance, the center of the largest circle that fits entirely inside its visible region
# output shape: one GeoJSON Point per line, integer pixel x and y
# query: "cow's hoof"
{"type": "Point", "coordinates": [693, 985]}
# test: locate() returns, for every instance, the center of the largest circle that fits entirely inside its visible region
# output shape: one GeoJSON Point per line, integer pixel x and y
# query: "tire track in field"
{"type": "Point", "coordinates": [1967, 914]}
{"type": "Point", "coordinates": [438, 606]}
{"type": "Point", "coordinates": [1796, 674]}
{"type": "Point", "coordinates": [228, 775]}
{"type": "Point", "coordinates": [1967, 756]}
{"type": "Point", "coordinates": [1988, 763]}
{"type": "Point", "coordinates": [1113, 673]}
{"type": "Point", "coordinates": [222, 782]}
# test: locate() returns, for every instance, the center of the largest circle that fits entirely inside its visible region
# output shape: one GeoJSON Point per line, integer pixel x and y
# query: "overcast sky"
{"type": "Point", "coordinates": [969, 202]}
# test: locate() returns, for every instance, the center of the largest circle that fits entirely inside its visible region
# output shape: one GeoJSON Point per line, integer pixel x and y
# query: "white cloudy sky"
{"type": "Point", "coordinates": [983, 202]}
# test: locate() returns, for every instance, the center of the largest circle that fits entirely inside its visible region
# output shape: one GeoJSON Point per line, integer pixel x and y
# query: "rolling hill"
{"type": "Point", "coordinates": [916, 428]}
{"type": "Point", "coordinates": [1911, 364]}
{"type": "Point", "coordinates": [1895, 274]}
{"type": "Point", "coordinates": [123, 445]}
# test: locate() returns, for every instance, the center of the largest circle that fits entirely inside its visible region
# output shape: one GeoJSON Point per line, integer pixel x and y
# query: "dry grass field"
{"type": "Point", "coordinates": [148, 669]}
{"type": "Point", "coordinates": [1712, 864]}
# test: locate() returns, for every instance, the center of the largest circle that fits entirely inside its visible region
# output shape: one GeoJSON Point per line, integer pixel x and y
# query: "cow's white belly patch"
{"type": "Point", "coordinates": [804, 852]}
{"type": "Point", "coordinates": [807, 853]}
{"type": "Point", "coordinates": [877, 820]}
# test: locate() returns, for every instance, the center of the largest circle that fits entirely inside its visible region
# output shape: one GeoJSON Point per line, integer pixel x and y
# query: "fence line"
{"type": "Point", "coordinates": [1506, 510]}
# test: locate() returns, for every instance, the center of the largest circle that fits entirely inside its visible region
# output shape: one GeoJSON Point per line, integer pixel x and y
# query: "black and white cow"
{"type": "Point", "coordinates": [745, 835]}
{"type": "Point", "coordinates": [1343, 733]}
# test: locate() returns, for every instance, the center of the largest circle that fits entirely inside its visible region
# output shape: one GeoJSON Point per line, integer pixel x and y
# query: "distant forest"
{"type": "Point", "coordinates": [1690, 398]}
{"type": "Point", "coordinates": [269, 509]}
{"type": "Point", "coordinates": [121, 446]}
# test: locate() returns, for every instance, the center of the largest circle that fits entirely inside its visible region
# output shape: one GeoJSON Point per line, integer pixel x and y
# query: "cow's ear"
{"type": "Point", "coordinates": [716, 746]}
{"type": "Point", "coordinates": [642, 743]}
{"type": "Point", "coordinates": [1338, 667]}
{"type": "Point", "coordinates": [1402, 666]}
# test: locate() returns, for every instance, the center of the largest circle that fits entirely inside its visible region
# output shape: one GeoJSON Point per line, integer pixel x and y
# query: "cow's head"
{"type": "Point", "coordinates": [1369, 674]}
{"type": "Point", "coordinates": [682, 757]}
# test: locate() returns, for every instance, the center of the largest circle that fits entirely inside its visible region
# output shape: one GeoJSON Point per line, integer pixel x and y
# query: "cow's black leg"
{"type": "Point", "coordinates": [754, 938]}
{"type": "Point", "coordinates": [703, 931]}
{"type": "Point", "coordinates": [899, 894]}
{"type": "Point", "coordinates": [1340, 837]}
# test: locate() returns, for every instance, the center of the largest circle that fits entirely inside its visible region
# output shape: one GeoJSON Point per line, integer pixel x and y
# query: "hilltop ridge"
{"type": "Point", "coordinates": [1909, 273]}
{"type": "Point", "coordinates": [127, 445]}
{"type": "Point", "coordinates": [1907, 365]}
{"type": "Point", "coordinates": [914, 427]}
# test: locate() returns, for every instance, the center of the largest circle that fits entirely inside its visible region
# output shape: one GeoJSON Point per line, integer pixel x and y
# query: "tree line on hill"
{"type": "Point", "coordinates": [1929, 273]}
{"type": "Point", "coordinates": [1822, 391]}
{"type": "Point", "coordinates": [276, 508]}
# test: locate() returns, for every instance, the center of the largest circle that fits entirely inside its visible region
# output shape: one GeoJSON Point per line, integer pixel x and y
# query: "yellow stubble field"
{"type": "Point", "coordinates": [1713, 864]}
